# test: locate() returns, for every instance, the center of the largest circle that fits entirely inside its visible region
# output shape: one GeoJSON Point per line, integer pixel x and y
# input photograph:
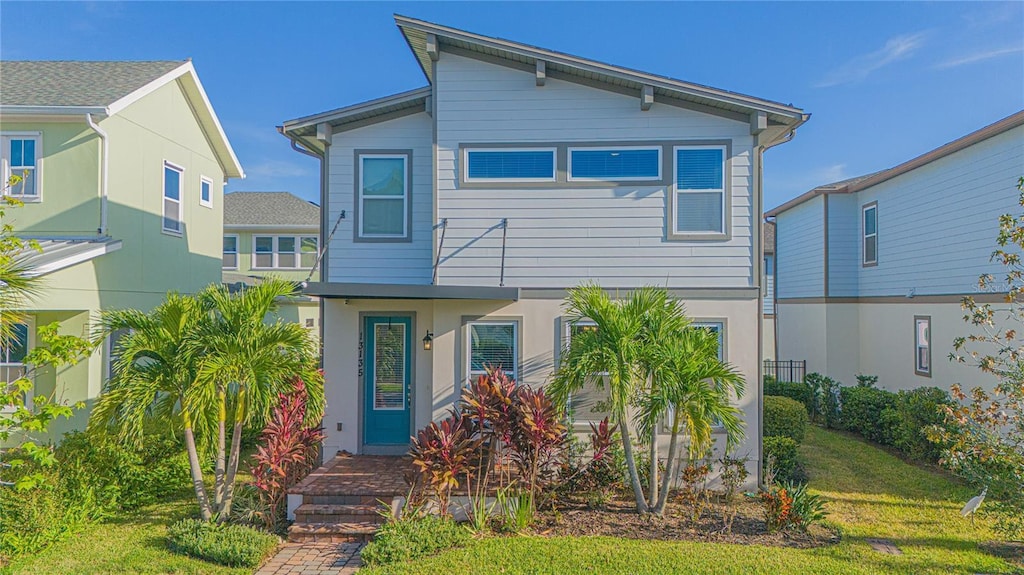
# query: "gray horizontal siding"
{"type": "Point", "coordinates": [843, 244]}
{"type": "Point", "coordinates": [560, 237]}
{"type": "Point", "coordinates": [799, 250]}
{"type": "Point", "coordinates": [400, 262]}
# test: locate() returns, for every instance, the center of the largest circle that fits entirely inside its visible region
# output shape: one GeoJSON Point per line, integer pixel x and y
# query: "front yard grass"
{"type": "Point", "coordinates": [871, 494]}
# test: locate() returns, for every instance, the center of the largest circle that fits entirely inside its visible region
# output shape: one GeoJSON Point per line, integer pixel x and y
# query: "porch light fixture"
{"type": "Point", "coordinates": [428, 341]}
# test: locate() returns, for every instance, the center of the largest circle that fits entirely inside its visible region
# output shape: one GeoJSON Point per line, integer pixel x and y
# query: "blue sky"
{"type": "Point", "coordinates": [883, 81]}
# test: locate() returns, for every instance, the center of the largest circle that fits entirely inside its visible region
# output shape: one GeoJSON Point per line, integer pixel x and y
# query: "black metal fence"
{"type": "Point", "coordinates": [789, 370]}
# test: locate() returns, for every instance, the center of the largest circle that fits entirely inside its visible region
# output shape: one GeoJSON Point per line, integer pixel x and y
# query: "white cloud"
{"type": "Point", "coordinates": [860, 67]}
{"type": "Point", "coordinates": [978, 57]}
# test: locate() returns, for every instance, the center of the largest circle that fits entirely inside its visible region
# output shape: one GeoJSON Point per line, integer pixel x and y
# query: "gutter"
{"type": "Point", "coordinates": [104, 163]}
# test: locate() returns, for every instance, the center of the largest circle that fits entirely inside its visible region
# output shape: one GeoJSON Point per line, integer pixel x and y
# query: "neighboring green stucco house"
{"type": "Point", "coordinates": [126, 165]}
{"type": "Point", "coordinates": [273, 233]}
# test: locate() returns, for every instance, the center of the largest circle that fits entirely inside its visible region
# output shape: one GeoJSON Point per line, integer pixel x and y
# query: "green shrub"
{"type": "Point", "coordinates": [782, 453]}
{"type": "Point", "coordinates": [407, 539]}
{"type": "Point", "coordinates": [784, 416]}
{"type": "Point", "coordinates": [862, 409]}
{"type": "Point", "coordinates": [797, 391]}
{"type": "Point", "coordinates": [31, 519]}
{"type": "Point", "coordinates": [906, 422]}
{"type": "Point", "coordinates": [232, 545]}
{"type": "Point", "coordinates": [824, 399]}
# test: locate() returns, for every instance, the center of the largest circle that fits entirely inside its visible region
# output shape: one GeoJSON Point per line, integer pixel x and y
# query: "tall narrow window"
{"type": "Point", "coordinates": [172, 198]}
{"type": "Point", "coordinates": [590, 404]}
{"type": "Point", "coordinates": [493, 345]}
{"type": "Point", "coordinates": [383, 196]}
{"type": "Point", "coordinates": [923, 345]}
{"type": "Point", "coordinates": [230, 259]}
{"type": "Point", "coordinates": [20, 158]}
{"type": "Point", "coordinates": [870, 227]}
{"type": "Point", "coordinates": [206, 192]}
{"type": "Point", "coordinates": [700, 192]}
{"type": "Point", "coordinates": [12, 354]}
{"type": "Point", "coordinates": [717, 328]}
{"type": "Point", "coordinates": [263, 251]}
{"type": "Point", "coordinates": [286, 257]}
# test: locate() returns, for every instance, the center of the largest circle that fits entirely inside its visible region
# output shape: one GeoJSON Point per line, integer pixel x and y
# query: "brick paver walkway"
{"type": "Point", "coordinates": [347, 474]}
{"type": "Point", "coordinates": [314, 559]}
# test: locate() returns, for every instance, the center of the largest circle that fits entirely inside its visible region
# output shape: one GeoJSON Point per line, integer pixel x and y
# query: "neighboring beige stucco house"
{"type": "Point", "coordinates": [126, 164]}
{"type": "Point", "coordinates": [273, 233]}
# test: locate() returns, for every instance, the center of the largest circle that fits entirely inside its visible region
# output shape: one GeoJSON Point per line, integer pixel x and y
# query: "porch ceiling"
{"type": "Point", "coordinates": [404, 291]}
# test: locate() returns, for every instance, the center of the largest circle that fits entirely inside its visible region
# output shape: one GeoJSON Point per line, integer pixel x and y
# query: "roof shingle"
{"type": "Point", "coordinates": [276, 209]}
{"type": "Point", "coordinates": [75, 83]}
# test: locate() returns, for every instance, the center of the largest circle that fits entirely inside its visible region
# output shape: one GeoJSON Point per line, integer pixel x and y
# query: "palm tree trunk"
{"type": "Point", "coordinates": [670, 466]}
{"type": "Point", "coordinates": [653, 488]}
{"type": "Point", "coordinates": [236, 448]}
{"type": "Point", "coordinates": [221, 425]}
{"type": "Point", "coordinates": [195, 469]}
{"type": "Point", "coordinates": [634, 477]}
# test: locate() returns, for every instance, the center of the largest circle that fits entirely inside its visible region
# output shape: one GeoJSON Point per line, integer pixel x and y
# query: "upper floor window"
{"type": "Point", "coordinates": [509, 165]}
{"type": "Point", "coordinates": [230, 259]}
{"type": "Point", "coordinates": [20, 158]}
{"type": "Point", "coordinates": [699, 194]}
{"type": "Point", "coordinates": [611, 164]}
{"type": "Point", "coordinates": [923, 345]}
{"type": "Point", "coordinates": [206, 192]}
{"type": "Point", "coordinates": [870, 229]}
{"type": "Point", "coordinates": [173, 191]}
{"type": "Point", "coordinates": [283, 252]}
{"type": "Point", "coordinates": [383, 197]}
{"type": "Point", "coordinates": [493, 345]}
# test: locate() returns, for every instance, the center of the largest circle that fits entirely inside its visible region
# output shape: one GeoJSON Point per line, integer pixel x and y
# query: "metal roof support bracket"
{"type": "Point", "coordinates": [646, 97]}
{"type": "Point", "coordinates": [440, 246]}
{"type": "Point", "coordinates": [542, 72]}
{"type": "Point", "coordinates": [504, 236]}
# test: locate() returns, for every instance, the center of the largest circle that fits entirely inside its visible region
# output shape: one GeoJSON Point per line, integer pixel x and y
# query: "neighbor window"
{"type": "Point", "coordinates": [230, 258]}
{"type": "Point", "coordinates": [699, 193]}
{"type": "Point", "coordinates": [923, 345]}
{"type": "Point", "coordinates": [285, 252]}
{"type": "Point", "coordinates": [172, 197]}
{"type": "Point", "coordinates": [20, 158]}
{"type": "Point", "coordinates": [870, 227]}
{"type": "Point", "coordinates": [614, 164]}
{"type": "Point", "coordinates": [510, 165]}
{"type": "Point", "coordinates": [12, 354]}
{"type": "Point", "coordinates": [383, 196]}
{"type": "Point", "coordinates": [493, 345]}
{"type": "Point", "coordinates": [206, 192]}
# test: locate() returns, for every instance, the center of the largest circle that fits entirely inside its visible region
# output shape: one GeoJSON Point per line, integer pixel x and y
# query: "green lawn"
{"type": "Point", "coordinates": [870, 493]}
{"type": "Point", "coordinates": [131, 544]}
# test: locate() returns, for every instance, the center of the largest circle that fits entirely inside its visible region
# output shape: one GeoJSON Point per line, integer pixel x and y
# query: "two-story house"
{"type": "Point", "coordinates": [278, 234]}
{"type": "Point", "coordinates": [124, 166]}
{"type": "Point", "coordinates": [466, 208]}
{"type": "Point", "coordinates": [871, 271]}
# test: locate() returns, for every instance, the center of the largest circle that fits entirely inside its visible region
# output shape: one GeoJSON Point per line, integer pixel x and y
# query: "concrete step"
{"type": "Point", "coordinates": [327, 513]}
{"type": "Point", "coordinates": [341, 499]}
{"type": "Point", "coordinates": [354, 532]}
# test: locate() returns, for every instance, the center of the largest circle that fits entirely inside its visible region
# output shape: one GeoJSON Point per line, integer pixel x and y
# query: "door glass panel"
{"type": "Point", "coordinates": [389, 366]}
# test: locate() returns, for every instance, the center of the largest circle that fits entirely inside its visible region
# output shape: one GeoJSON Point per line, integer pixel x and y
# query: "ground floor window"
{"type": "Point", "coordinates": [12, 356]}
{"type": "Point", "coordinates": [493, 345]}
{"type": "Point", "coordinates": [923, 345]}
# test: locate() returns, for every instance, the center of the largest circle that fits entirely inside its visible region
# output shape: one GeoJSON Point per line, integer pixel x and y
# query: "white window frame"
{"type": "Point", "coordinates": [237, 245]}
{"type": "Point", "coordinates": [180, 201]}
{"type": "Point", "coordinates": [926, 345]}
{"type": "Point", "coordinates": [864, 235]}
{"type": "Point", "coordinates": [724, 191]}
{"type": "Point", "coordinates": [8, 171]}
{"type": "Point", "coordinates": [203, 180]}
{"type": "Point", "coordinates": [571, 178]}
{"type": "Point", "coordinates": [275, 260]}
{"type": "Point", "coordinates": [30, 324]}
{"type": "Point", "coordinates": [299, 252]}
{"type": "Point", "coordinates": [405, 196]}
{"type": "Point", "coordinates": [568, 335]}
{"type": "Point", "coordinates": [721, 324]}
{"type": "Point", "coordinates": [470, 374]}
{"type": "Point", "coordinates": [465, 165]}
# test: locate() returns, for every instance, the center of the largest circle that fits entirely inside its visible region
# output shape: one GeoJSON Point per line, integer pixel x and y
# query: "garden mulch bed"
{"type": "Point", "coordinates": [618, 518]}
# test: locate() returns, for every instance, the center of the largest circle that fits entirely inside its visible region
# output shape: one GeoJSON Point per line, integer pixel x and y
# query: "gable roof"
{"type": "Point", "coordinates": [102, 88]}
{"type": "Point", "coordinates": [269, 210]}
{"type": "Point", "coordinates": [859, 183]}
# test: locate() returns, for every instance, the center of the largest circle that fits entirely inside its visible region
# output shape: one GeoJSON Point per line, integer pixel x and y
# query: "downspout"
{"type": "Point", "coordinates": [104, 162]}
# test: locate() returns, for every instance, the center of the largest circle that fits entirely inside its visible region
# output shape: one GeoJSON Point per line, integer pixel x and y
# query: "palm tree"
{"type": "Point", "coordinates": [615, 348]}
{"type": "Point", "coordinates": [156, 369]}
{"type": "Point", "coordinates": [248, 361]}
{"type": "Point", "coordinates": [694, 389]}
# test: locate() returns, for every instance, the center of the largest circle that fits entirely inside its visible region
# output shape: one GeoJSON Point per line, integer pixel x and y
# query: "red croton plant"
{"type": "Point", "coordinates": [287, 451]}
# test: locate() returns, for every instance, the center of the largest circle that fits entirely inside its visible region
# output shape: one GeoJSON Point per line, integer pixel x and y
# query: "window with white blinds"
{"type": "Point", "coordinates": [699, 190]}
{"type": "Point", "coordinates": [611, 164]}
{"type": "Point", "coordinates": [493, 345]}
{"type": "Point", "coordinates": [516, 165]}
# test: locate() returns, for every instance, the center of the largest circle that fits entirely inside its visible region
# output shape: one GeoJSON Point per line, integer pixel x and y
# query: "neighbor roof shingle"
{"type": "Point", "coordinates": [69, 83]}
{"type": "Point", "coordinates": [269, 209]}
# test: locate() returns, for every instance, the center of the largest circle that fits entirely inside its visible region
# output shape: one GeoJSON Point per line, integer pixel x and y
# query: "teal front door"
{"type": "Point", "coordinates": [387, 379]}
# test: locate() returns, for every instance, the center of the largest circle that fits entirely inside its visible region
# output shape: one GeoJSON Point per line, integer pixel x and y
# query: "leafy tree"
{"type": "Point", "coordinates": [985, 430]}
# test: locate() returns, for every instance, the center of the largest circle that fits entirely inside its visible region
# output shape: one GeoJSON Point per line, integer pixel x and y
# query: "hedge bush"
{"type": "Point", "coordinates": [784, 417]}
{"type": "Point", "coordinates": [32, 519]}
{"type": "Point", "coordinates": [782, 451]}
{"type": "Point", "coordinates": [796, 390]}
{"type": "Point", "coordinates": [231, 545]}
{"type": "Point", "coordinates": [406, 539]}
{"type": "Point", "coordinates": [862, 409]}
{"type": "Point", "coordinates": [913, 413]}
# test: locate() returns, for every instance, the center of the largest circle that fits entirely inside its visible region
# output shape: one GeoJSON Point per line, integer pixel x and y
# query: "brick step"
{"type": "Point", "coordinates": [325, 513]}
{"type": "Point", "coordinates": [355, 532]}
{"type": "Point", "coordinates": [342, 499]}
